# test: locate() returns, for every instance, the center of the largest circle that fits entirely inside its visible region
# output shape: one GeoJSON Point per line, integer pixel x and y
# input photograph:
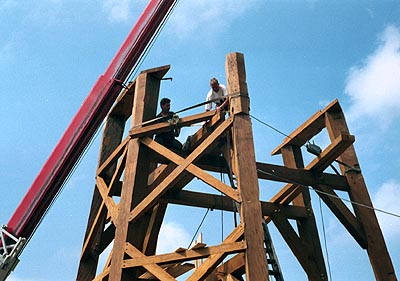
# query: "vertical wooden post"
{"type": "Point", "coordinates": [112, 136]}
{"type": "Point", "coordinates": [376, 246]}
{"type": "Point", "coordinates": [245, 169]}
{"type": "Point", "coordinates": [134, 187]}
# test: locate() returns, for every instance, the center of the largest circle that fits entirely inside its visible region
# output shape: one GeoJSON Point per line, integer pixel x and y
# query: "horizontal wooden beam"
{"type": "Point", "coordinates": [290, 211]}
{"type": "Point", "coordinates": [149, 130]}
{"type": "Point", "coordinates": [212, 261]}
{"type": "Point", "coordinates": [200, 200]}
{"type": "Point", "coordinates": [266, 171]}
{"type": "Point", "coordinates": [309, 128]}
{"type": "Point", "coordinates": [218, 202]}
{"type": "Point", "coordinates": [153, 268]}
{"type": "Point", "coordinates": [183, 255]}
{"type": "Point", "coordinates": [300, 176]}
{"type": "Point", "coordinates": [158, 71]}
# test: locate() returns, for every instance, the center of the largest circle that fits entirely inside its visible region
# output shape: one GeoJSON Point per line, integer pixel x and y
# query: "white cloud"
{"type": "Point", "coordinates": [206, 16]}
{"type": "Point", "coordinates": [172, 235]}
{"type": "Point", "coordinates": [118, 10]}
{"type": "Point", "coordinates": [374, 87]}
{"type": "Point", "coordinates": [386, 199]}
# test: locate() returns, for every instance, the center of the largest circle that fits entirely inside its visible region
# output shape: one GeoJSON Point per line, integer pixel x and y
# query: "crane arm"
{"type": "Point", "coordinates": [87, 120]}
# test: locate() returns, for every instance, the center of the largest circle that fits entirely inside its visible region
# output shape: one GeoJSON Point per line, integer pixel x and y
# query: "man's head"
{"type": "Point", "coordinates": [165, 104]}
{"type": "Point", "coordinates": [214, 84]}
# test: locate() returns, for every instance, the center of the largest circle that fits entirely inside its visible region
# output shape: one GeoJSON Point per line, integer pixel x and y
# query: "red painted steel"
{"type": "Point", "coordinates": [86, 121]}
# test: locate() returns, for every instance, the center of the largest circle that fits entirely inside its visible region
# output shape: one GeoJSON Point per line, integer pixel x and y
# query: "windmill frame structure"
{"type": "Point", "coordinates": [137, 178]}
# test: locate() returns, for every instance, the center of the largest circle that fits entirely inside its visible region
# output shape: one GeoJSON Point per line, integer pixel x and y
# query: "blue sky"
{"type": "Point", "coordinates": [299, 55]}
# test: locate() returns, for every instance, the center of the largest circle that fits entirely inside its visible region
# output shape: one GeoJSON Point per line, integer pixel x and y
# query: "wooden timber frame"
{"type": "Point", "coordinates": [137, 178]}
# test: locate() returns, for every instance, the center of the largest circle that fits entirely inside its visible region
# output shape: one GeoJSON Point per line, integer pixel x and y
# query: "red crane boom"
{"type": "Point", "coordinates": [87, 120]}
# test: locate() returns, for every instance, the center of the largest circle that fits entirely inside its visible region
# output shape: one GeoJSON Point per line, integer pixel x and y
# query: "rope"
{"type": "Point", "coordinates": [330, 195]}
{"type": "Point", "coordinates": [325, 244]}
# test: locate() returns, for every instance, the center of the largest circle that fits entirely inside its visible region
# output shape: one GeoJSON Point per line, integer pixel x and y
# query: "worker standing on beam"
{"type": "Point", "coordinates": [219, 94]}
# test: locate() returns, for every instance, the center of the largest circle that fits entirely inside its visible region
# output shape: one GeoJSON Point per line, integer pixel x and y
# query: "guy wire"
{"type": "Point", "coordinates": [328, 194]}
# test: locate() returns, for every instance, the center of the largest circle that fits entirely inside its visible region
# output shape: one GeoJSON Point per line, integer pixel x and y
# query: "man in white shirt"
{"type": "Point", "coordinates": [218, 94]}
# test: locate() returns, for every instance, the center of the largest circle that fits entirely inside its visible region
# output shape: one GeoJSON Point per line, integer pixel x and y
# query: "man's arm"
{"type": "Point", "coordinates": [177, 132]}
{"type": "Point", "coordinates": [208, 106]}
{"type": "Point", "coordinates": [226, 100]}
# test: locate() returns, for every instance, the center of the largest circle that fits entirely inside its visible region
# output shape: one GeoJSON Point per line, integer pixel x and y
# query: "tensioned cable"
{"type": "Point", "coordinates": [325, 244]}
{"type": "Point", "coordinates": [280, 132]}
{"type": "Point", "coordinates": [151, 43]}
{"type": "Point", "coordinates": [198, 228]}
{"type": "Point", "coordinates": [271, 127]}
{"type": "Point", "coordinates": [328, 194]}
{"type": "Point", "coordinates": [222, 211]}
{"type": "Point", "coordinates": [66, 181]}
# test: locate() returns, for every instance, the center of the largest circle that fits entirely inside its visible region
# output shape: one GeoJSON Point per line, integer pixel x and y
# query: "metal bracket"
{"type": "Point", "coordinates": [10, 249]}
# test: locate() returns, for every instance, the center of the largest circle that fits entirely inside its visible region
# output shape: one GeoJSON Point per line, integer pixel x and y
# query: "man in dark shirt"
{"type": "Point", "coordinates": [167, 139]}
